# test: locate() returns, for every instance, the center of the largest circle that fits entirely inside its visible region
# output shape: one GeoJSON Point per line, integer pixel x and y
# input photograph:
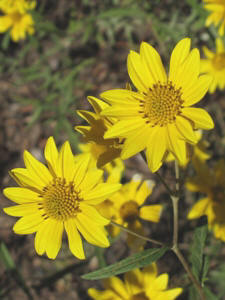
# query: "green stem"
{"type": "Point", "coordinates": [137, 235]}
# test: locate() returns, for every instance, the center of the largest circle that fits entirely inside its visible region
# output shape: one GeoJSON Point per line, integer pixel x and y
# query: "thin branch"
{"type": "Point", "coordinates": [138, 235]}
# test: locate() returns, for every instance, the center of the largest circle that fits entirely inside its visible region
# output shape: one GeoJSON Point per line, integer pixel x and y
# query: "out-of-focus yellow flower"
{"type": "Point", "coordinates": [214, 65]}
{"type": "Point", "coordinates": [194, 152]}
{"type": "Point", "coordinates": [95, 151]}
{"type": "Point", "coordinates": [103, 150]}
{"type": "Point", "coordinates": [126, 208]}
{"type": "Point", "coordinates": [212, 183]}
{"type": "Point", "coordinates": [16, 18]}
{"type": "Point", "coordinates": [61, 196]}
{"type": "Point", "coordinates": [138, 284]}
{"type": "Point", "coordinates": [159, 117]}
{"type": "Point", "coordinates": [217, 16]}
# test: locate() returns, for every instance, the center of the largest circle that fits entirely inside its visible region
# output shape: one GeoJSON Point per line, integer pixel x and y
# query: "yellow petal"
{"type": "Point", "coordinates": [74, 238]}
{"type": "Point", "coordinates": [220, 46]}
{"type": "Point", "coordinates": [161, 282]}
{"type": "Point", "coordinates": [91, 231]}
{"type": "Point", "coordinates": [176, 145]}
{"type": "Point", "coordinates": [21, 195]}
{"type": "Point", "coordinates": [91, 179]}
{"type": "Point", "coordinates": [37, 170]}
{"type": "Point", "coordinates": [189, 71]}
{"type": "Point", "coordinates": [156, 148]}
{"type": "Point", "coordinates": [28, 224]}
{"type": "Point", "coordinates": [144, 191]}
{"type": "Point", "coordinates": [23, 178]}
{"type": "Point", "coordinates": [138, 72]}
{"type": "Point", "coordinates": [135, 143]}
{"type": "Point", "coordinates": [49, 238]}
{"type": "Point", "coordinates": [170, 294]}
{"type": "Point", "coordinates": [122, 111]}
{"type": "Point", "coordinates": [199, 209]}
{"type": "Point", "coordinates": [97, 104]}
{"type": "Point", "coordinates": [22, 209]}
{"type": "Point", "coordinates": [51, 155]}
{"type": "Point", "coordinates": [208, 53]}
{"type": "Point", "coordinates": [119, 96]}
{"type": "Point", "coordinates": [122, 128]}
{"type": "Point", "coordinates": [178, 56]}
{"type": "Point", "coordinates": [5, 23]}
{"type": "Point", "coordinates": [153, 62]}
{"type": "Point", "coordinates": [80, 169]}
{"type": "Point", "coordinates": [185, 129]}
{"type": "Point", "coordinates": [151, 212]}
{"type": "Point", "coordinates": [100, 193]}
{"type": "Point", "coordinates": [199, 116]}
{"type": "Point", "coordinates": [117, 285]}
{"type": "Point", "coordinates": [90, 212]}
{"type": "Point", "coordinates": [66, 162]}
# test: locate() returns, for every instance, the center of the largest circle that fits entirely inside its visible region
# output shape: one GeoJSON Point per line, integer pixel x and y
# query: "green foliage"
{"type": "Point", "coordinates": [134, 261]}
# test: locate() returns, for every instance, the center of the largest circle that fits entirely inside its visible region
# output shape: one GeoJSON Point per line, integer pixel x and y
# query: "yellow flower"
{"type": "Point", "coordinates": [61, 196]}
{"type": "Point", "coordinates": [217, 9]}
{"type": "Point", "coordinates": [104, 150]}
{"type": "Point", "coordinates": [195, 152]}
{"type": "Point", "coordinates": [138, 284]}
{"type": "Point", "coordinates": [212, 183]}
{"type": "Point", "coordinates": [16, 18]}
{"type": "Point", "coordinates": [126, 207]}
{"type": "Point", "coordinates": [158, 117]}
{"type": "Point", "coordinates": [214, 65]}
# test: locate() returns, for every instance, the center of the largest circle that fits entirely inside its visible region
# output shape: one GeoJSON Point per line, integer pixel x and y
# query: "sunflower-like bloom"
{"type": "Point", "coordinates": [158, 117]}
{"type": "Point", "coordinates": [214, 65]}
{"type": "Point", "coordinates": [104, 151]}
{"type": "Point", "coordinates": [211, 183]}
{"type": "Point", "coordinates": [16, 18]}
{"type": "Point", "coordinates": [217, 16]}
{"type": "Point", "coordinates": [62, 195]}
{"type": "Point", "coordinates": [138, 284]}
{"type": "Point", "coordinates": [126, 208]}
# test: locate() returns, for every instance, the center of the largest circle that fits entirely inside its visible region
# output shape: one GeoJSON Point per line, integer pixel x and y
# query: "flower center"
{"type": "Point", "coordinates": [218, 194]}
{"type": "Point", "coordinates": [162, 104]}
{"type": "Point", "coordinates": [140, 296]}
{"type": "Point", "coordinates": [129, 211]}
{"type": "Point", "coordinates": [218, 61]}
{"type": "Point", "coordinates": [61, 200]}
{"type": "Point", "coordinates": [16, 17]}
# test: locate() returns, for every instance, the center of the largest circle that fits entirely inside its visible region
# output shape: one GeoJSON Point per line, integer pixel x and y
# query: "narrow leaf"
{"type": "Point", "coordinates": [134, 261]}
{"type": "Point", "coordinates": [197, 258]}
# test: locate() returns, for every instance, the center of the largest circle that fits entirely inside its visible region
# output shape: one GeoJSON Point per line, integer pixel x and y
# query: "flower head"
{"type": "Point", "coordinates": [103, 150]}
{"type": "Point", "coordinates": [138, 284]}
{"type": "Point", "coordinates": [62, 195]}
{"type": "Point", "coordinates": [214, 65]}
{"type": "Point", "coordinates": [158, 117]}
{"type": "Point", "coordinates": [16, 18]}
{"type": "Point", "coordinates": [211, 183]}
{"type": "Point", "coordinates": [217, 9]}
{"type": "Point", "coordinates": [126, 207]}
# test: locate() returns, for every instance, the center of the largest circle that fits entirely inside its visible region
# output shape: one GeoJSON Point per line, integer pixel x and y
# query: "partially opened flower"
{"type": "Point", "coordinates": [104, 151]}
{"type": "Point", "coordinates": [214, 64]}
{"type": "Point", "coordinates": [60, 196]}
{"type": "Point", "coordinates": [126, 207]}
{"type": "Point", "coordinates": [158, 117]}
{"type": "Point", "coordinates": [138, 284]}
{"type": "Point", "coordinates": [212, 183]}
{"type": "Point", "coordinates": [16, 18]}
{"type": "Point", "coordinates": [217, 16]}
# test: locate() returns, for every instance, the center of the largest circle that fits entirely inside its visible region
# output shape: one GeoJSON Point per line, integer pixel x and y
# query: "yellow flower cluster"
{"type": "Point", "coordinates": [138, 284]}
{"type": "Point", "coordinates": [16, 18]}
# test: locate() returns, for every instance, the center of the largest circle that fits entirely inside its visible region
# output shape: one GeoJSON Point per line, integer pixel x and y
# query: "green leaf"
{"type": "Point", "coordinates": [134, 261]}
{"type": "Point", "coordinates": [197, 258]}
{"type": "Point", "coordinates": [6, 257]}
{"type": "Point", "coordinates": [209, 295]}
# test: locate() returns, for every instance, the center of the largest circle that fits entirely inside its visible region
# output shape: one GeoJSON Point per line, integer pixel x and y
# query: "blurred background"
{"type": "Point", "coordinates": [79, 48]}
